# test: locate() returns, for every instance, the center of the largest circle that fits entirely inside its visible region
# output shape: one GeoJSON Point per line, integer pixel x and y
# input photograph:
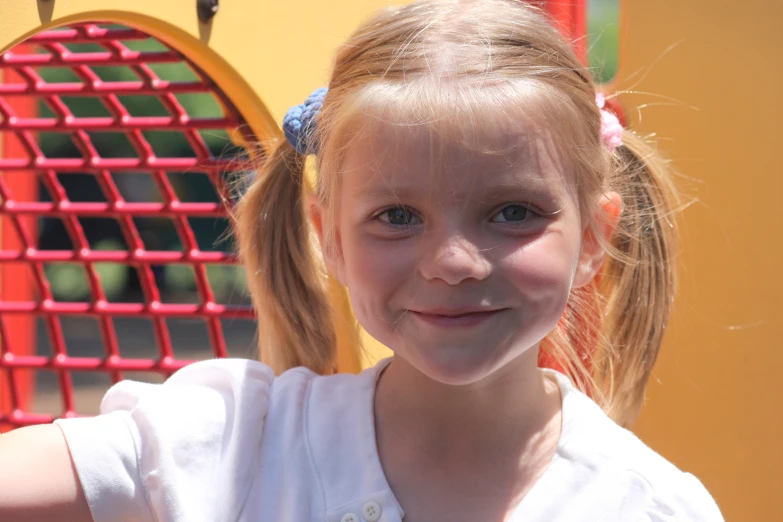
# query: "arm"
{"type": "Point", "coordinates": [38, 482]}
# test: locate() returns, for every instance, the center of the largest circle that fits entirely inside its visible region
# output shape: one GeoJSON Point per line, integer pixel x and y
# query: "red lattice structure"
{"type": "Point", "coordinates": [71, 117]}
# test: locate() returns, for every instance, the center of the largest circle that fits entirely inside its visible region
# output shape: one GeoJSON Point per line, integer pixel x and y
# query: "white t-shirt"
{"type": "Point", "coordinates": [226, 440]}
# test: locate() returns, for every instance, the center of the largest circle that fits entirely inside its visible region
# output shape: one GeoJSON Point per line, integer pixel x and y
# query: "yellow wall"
{"type": "Point", "coordinates": [714, 401]}
{"type": "Point", "coordinates": [280, 50]}
{"type": "Point", "coordinates": [714, 404]}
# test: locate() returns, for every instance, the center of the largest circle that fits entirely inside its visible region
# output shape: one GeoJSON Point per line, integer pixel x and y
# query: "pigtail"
{"type": "Point", "coordinates": [611, 330]}
{"type": "Point", "coordinates": [637, 283]}
{"type": "Point", "coordinates": [288, 284]}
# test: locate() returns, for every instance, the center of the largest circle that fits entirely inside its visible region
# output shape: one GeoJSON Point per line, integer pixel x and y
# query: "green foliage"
{"type": "Point", "coordinates": [227, 281]}
{"type": "Point", "coordinates": [68, 281]}
{"type": "Point", "coordinates": [165, 144]}
{"type": "Point", "coordinates": [603, 24]}
{"type": "Point", "coordinates": [114, 276]}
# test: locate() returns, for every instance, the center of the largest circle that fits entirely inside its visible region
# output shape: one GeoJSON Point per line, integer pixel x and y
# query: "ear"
{"type": "Point", "coordinates": [591, 257]}
{"type": "Point", "coordinates": [332, 256]}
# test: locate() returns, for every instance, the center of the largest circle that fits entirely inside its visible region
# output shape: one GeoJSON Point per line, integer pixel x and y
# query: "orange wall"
{"type": "Point", "coordinates": [714, 403]}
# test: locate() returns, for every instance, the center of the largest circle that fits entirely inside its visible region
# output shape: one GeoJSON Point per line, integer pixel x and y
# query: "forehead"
{"type": "Point", "coordinates": [459, 158]}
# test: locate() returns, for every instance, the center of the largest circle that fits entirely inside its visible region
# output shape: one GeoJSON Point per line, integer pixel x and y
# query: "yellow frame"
{"type": "Point", "coordinates": [230, 82]}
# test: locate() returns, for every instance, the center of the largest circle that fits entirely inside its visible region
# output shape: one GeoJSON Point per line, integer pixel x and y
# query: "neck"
{"type": "Point", "coordinates": [503, 411]}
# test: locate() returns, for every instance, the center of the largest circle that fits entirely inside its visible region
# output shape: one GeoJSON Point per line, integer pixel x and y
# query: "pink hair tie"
{"type": "Point", "coordinates": [611, 128]}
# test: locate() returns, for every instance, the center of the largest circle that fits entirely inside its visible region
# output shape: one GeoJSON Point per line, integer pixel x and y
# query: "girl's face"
{"type": "Point", "coordinates": [458, 260]}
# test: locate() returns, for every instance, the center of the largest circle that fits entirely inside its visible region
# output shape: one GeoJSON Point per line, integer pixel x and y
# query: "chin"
{"type": "Point", "coordinates": [455, 366]}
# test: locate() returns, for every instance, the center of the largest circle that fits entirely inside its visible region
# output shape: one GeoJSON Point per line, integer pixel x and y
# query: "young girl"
{"type": "Point", "coordinates": [485, 213]}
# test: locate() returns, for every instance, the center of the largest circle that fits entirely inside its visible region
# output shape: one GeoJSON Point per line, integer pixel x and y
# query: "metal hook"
{"type": "Point", "coordinates": [207, 9]}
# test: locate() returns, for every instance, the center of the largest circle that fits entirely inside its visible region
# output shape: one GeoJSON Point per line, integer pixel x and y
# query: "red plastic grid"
{"type": "Point", "coordinates": [56, 49]}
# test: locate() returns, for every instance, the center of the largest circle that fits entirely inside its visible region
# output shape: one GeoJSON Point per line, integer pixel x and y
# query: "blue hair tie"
{"type": "Point", "coordinates": [299, 122]}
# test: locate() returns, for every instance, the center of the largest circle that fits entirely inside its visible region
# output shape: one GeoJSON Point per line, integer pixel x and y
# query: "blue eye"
{"type": "Point", "coordinates": [512, 214]}
{"type": "Point", "coordinates": [399, 216]}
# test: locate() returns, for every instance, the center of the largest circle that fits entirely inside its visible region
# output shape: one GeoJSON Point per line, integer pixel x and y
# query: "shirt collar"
{"type": "Point", "coordinates": [340, 432]}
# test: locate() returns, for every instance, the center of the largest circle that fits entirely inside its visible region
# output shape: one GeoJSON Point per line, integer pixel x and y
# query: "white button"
{"type": "Point", "coordinates": [349, 517]}
{"type": "Point", "coordinates": [371, 511]}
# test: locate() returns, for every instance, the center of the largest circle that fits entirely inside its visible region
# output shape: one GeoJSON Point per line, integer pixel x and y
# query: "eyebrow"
{"type": "Point", "coordinates": [382, 191]}
{"type": "Point", "coordinates": [536, 185]}
{"type": "Point", "coordinates": [496, 191]}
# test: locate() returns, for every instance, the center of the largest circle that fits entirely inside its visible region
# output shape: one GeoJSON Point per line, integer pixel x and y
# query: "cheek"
{"type": "Point", "coordinates": [374, 272]}
{"type": "Point", "coordinates": [543, 272]}
{"type": "Point", "coordinates": [373, 262]}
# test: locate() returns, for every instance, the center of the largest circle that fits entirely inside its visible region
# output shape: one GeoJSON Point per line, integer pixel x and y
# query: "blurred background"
{"type": "Point", "coordinates": [68, 281]}
{"type": "Point", "coordinates": [176, 282]}
{"type": "Point", "coordinates": [701, 77]}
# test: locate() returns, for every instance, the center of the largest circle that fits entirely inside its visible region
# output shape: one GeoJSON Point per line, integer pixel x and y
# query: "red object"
{"type": "Point", "coordinates": [15, 282]}
{"type": "Point", "coordinates": [570, 17]}
{"type": "Point", "coordinates": [24, 164]}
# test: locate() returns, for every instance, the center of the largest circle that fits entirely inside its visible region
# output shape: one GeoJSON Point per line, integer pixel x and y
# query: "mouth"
{"type": "Point", "coordinates": [456, 318]}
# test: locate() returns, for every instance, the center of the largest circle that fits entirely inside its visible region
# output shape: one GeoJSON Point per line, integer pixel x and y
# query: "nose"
{"type": "Point", "coordinates": [452, 258]}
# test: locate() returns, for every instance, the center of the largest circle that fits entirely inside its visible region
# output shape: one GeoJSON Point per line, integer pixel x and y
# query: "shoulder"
{"type": "Point", "coordinates": [653, 488]}
{"type": "Point", "coordinates": [197, 389]}
{"type": "Point", "coordinates": [180, 449]}
{"type": "Point", "coordinates": [224, 390]}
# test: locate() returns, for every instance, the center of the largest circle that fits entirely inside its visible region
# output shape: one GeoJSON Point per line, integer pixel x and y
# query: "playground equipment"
{"type": "Point", "coordinates": [711, 402]}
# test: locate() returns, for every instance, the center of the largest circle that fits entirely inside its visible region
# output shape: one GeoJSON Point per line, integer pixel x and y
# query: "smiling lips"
{"type": "Point", "coordinates": [456, 318]}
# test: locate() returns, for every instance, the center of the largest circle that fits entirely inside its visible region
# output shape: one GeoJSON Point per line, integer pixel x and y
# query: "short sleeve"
{"type": "Point", "coordinates": [185, 450]}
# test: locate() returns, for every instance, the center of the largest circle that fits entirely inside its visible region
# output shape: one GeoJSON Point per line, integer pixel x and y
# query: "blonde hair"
{"type": "Point", "coordinates": [441, 63]}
